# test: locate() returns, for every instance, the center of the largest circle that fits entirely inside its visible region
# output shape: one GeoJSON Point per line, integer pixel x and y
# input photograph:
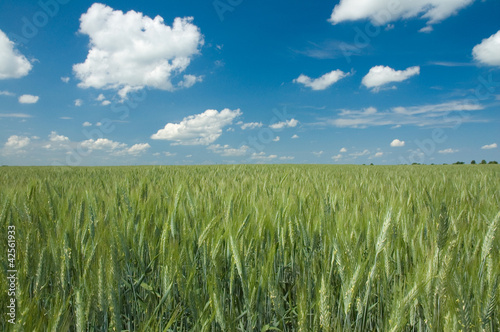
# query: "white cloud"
{"type": "Point", "coordinates": [322, 82]}
{"type": "Point", "coordinates": [337, 157]}
{"type": "Point", "coordinates": [228, 151]}
{"type": "Point", "coordinates": [251, 125]}
{"type": "Point", "coordinates": [378, 154]}
{"type": "Point", "coordinates": [359, 154]}
{"type": "Point", "coordinates": [381, 75]}
{"type": "Point", "coordinates": [489, 146]}
{"type": "Point", "coordinates": [169, 154]}
{"type": "Point", "coordinates": [447, 151]}
{"type": "Point", "coordinates": [7, 93]}
{"type": "Point", "coordinates": [137, 149]}
{"type": "Point", "coordinates": [397, 143]}
{"type": "Point", "coordinates": [343, 150]}
{"type": "Point", "coordinates": [199, 129]}
{"type": "Point", "coordinates": [380, 12]}
{"type": "Point", "coordinates": [65, 79]}
{"type": "Point", "coordinates": [101, 97]}
{"type": "Point", "coordinates": [189, 81]}
{"type": "Point", "coordinates": [53, 137]}
{"type": "Point", "coordinates": [423, 115]}
{"type": "Point", "coordinates": [426, 29]}
{"type": "Point", "coordinates": [295, 136]}
{"type": "Point", "coordinates": [78, 102]}
{"type": "Point", "coordinates": [28, 99]}
{"type": "Point", "coordinates": [488, 51]}
{"type": "Point", "coordinates": [130, 51]}
{"type": "Point", "coordinates": [287, 158]}
{"type": "Point", "coordinates": [105, 103]}
{"type": "Point", "coordinates": [102, 144]}
{"type": "Point", "coordinates": [17, 142]}
{"type": "Point", "coordinates": [318, 153]}
{"type": "Point", "coordinates": [14, 115]}
{"type": "Point", "coordinates": [12, 63]}
{"type": "Point", "coordinates": [276, 139]}
{"type": "Point", "coordinates": [263, 157]}
{"type": "Point", "coordinates": [285, 124]}
{"type": "Point", "coordinates": [86, 124]}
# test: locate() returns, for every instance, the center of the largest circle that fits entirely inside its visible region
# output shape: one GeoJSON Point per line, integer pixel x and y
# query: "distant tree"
{"type": "Point", "coordinates": [371, 164]}
{"type": "Point", "coordinates": [483, 162]}
{"type": "Point", "coordinates": [473, 162]}
{"type": "Point", "coordinates": [459, 163]}
{"type": "Point", "coordinates": [494, 162]}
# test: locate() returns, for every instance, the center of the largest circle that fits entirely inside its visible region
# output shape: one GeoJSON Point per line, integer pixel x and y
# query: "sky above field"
{"type": "Point", "coordinates": [233, 81]}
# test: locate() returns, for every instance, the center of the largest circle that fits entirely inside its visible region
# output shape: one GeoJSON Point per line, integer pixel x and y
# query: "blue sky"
{"type": "Point", "coordinates": [231, 81]}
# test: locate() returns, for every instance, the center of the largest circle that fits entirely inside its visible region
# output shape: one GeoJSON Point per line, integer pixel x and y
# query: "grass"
{"type": "Point", "coordinates": [254, 248]}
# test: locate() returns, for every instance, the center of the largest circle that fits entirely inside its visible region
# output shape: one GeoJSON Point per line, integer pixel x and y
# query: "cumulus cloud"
{"type": "Point", "coordinates": [295, 136]}
{"type": "Point", "coordinates": [337, 157]}
{"type": "Point", "coordinates": [199, 129]}
{"type": "Point", "coordinates": [102, 144]}
{"type": "Point", "coordinates": [130, 51]}
{"type": "Point", "coordinates": [489, 146]}
{"type": "Point", "coordinates": [228, 151]}
{"type": "Point", "coordinates": [86, 124]}
{"type": "Point", "coordinates": [136, 149]}
{"type": "Point", "coordinates": [381, 75]}
{"type": "Point", "coordinates": [28, 99]}
{"type": "Point", "coordinates": [322, 82]}
{"type": "Point", "coordinates": [397, 143]}
{"type": "Point", "coordinates": [276, 139]}
{"type": "Point", "coordinates": [261, 156]}
{"type": "Point", "coordinates": [17, 142]}
{"type": "Point", "coordinates": [381, 12]}
{"type": "Point", "coordinates": [317, 153]}
{"type": "Point", "coordinates": [78, 102]}
{"type": "Point", "coordinates": [285, 124]}
{"type": "Point", "coordinates": [488, 51]}
{"type": "Point", "coordinates": [422, 115]}
{"type": "Point", "coordinates": [53, 137]}
{"type": "Point", "coordinates": [343, 150]}
{"type": "Point", "coordinates": [12, 63]}
{"type": "Point", "coordinates": [287, 158]}
{"type": "Point", "coordinates": [447, 151]}
{"type": "Point", "coordinates": [251, 125]}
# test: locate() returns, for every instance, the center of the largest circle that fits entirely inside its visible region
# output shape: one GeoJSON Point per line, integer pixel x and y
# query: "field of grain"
{"type": "Point", "coordinates": [253, 248]}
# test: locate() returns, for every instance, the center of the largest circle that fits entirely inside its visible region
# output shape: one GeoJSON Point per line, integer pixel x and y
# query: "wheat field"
{"type": "Point", "coordinates": [253, 248]}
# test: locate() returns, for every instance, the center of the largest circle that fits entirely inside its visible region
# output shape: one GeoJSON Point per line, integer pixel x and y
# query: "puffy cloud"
{"type": "Point", "coordinates": [377, 155]}
{"type": "Point", "coordinates": [105, 103]}
{"type": "Point", "coordinates": [397, 143]}
{"type": "Point", "coordinates": [489, 146]}
{"type": "Point", "coordinates": [381, 75]}
{"type": "Point", "coordinates": [488, 52]}
{"type": "Point", "coordinates": [261, 156]}
{"type": "Point", "coordinates": [284, 124]}
{"type": "Point", "coordinates": [86, 124]}
{"type": "Point", "coordinates": [276, 139]}
{"type": "Point", "coordinates": [12, 63]}
{"type": "Point", "coordinates": [228, 151]}
{"type": "Point", "coordinates": [130, 51]}
{"type": "Point", "coordinates": [380, 12]}
{"type": "Point", "coordinates": [199, 129]}
{"type": "Point", "coordinates": [322, 82]}
{"type": "Point", "coordinates": [295, 136]}
{"type": "Point", "coordinates": [78, 102]}
{"type": "Point", "coordinates": [423, 115]}
{"type": "Point", "coordinates": [28, 99]}
{"type": "Point", "coordinates": [53, 137]}
{"type": "Point", "coordinates": [189, 81]}
{"type": "Point", "coordinates": [447, 151]}
{"type": "Point", "coordinates": [136, 149]}
{"type": "Point", "coordinates": [17, 142]}
{"type": "Point", "coordinates": [65, 79]}
{"type": "Point", "coordinates": [251, 125]}
{"type": "Point", "coordinates": [343, 150]}
{"type": "Point", "coordinates": [337, 157]}
{"type": "Point", "coordinates": [318, 153]}
{"type": "Point", "coordinates": [102, 144]}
